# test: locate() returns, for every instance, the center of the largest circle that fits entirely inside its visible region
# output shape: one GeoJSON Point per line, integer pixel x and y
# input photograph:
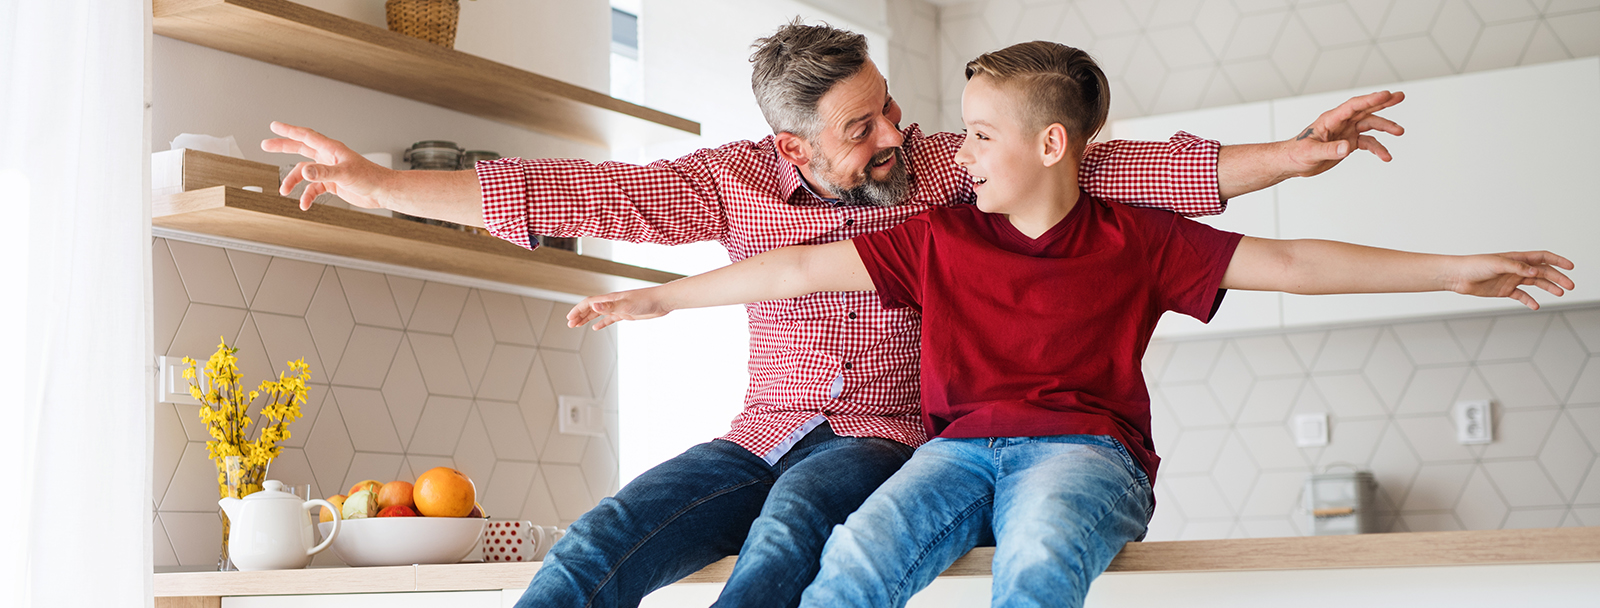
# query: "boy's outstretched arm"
{"type": "Point", "coordinates": [786, 272]}
{"type": "Point", "coordinates": [1313, 267]}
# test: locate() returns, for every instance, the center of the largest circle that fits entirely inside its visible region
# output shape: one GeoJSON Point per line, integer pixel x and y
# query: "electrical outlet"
{"type": "Point", "coordinates": [581, 416]}
{"type": "Point", "coordinates": [171, 387]}
{"type": "Point", "coordinates": [1474, 422]}
{"type": "Point", "coordinates": [1311, 430]}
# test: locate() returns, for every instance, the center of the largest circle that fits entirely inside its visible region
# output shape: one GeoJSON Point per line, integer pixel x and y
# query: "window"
{"type": "Point", "coordinates": [627, 74]}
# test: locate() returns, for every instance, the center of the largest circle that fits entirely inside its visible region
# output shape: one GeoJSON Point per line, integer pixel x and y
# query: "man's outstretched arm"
{"type": "Point", "coordinates": [334, 168]}
{"type": "Point", "coordinates": [1313, 267]}
{"type": "Point", "coordinates": [785, 272]}
{"type": "Point", "coordinates": [1335, 135]}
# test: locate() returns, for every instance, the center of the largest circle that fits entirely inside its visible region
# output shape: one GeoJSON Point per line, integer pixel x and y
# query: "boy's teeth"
{"type": "Point", "coordinates": [979, 180]}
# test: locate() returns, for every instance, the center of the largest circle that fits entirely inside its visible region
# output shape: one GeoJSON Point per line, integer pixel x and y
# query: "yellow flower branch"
{"type": "Point", "coordinates": [225, 409]}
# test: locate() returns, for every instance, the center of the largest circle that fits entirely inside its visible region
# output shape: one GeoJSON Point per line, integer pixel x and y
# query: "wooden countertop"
{"type": "Point", "coordinates": [1487, 547]}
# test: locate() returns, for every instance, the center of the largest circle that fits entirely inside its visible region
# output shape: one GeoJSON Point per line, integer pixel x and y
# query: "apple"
{"type": "Point", "coordinates": [397, 511]}
{"type": "Point", "coordinates": [360, 505]}
{"type": "Point", "coordinates": [338, 504]}
{"type": "Point", "coordinates": [369, 484]}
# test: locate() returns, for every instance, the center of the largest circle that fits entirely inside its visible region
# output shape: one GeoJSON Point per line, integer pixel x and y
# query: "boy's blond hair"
{"type": "Point", "coordinates": [1056, 83]}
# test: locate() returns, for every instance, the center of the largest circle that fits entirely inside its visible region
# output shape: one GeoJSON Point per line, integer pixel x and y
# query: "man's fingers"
{"type": "Point", "coordinates": [1371, 144]}
{"type": "Point", "coordinates": [283, 145]}
{"type": "Point", "coordinates": [301, 134]}
{"type": "Point", "coordinates": [1373, 122]}
{"type": "Point", "coordinates": [310, 194]}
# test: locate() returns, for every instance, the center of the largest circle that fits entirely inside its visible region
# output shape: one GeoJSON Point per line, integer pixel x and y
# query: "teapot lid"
{"type": "Point", "coordinates": [272, 489]}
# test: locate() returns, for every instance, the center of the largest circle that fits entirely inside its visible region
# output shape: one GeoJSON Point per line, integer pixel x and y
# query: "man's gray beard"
{"type": "Point", "coordinates": [887, 193]}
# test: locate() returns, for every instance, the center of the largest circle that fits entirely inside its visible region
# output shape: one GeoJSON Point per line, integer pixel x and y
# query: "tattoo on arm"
{"type": "Point", "coordinates": [1307, 133]}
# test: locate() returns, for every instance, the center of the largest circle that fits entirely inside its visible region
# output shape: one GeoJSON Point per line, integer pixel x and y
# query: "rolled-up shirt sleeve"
{"type": "Point", "coordinates": [668, 202]}
{"type": "Point", "coordinates": [1178, 175]}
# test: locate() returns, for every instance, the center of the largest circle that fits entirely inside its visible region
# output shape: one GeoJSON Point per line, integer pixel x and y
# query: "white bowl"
{"type": "Point", "coordinates": [400, 541]}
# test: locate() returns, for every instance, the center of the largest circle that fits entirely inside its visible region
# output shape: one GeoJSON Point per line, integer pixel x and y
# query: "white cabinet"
{"type": "Point", "coordinates": [453, 599]}
{"type": "Point", "coordinates": [1491, 161]}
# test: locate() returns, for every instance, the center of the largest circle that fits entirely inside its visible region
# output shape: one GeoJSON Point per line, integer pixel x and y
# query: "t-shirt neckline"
{"type": "Point", "coordinates": [1050, 236]}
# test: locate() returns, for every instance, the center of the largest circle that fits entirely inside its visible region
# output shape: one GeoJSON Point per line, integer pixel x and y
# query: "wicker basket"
{"type": "Point", "coordinates": [430, 20]}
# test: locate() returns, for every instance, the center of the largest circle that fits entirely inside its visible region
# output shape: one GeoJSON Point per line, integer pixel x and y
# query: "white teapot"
{"type": "Point", "coordinates": [272, 531]}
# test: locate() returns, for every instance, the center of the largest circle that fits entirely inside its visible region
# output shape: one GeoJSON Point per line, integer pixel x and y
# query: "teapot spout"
{"type": "Point", "coordinates": [230, 505]}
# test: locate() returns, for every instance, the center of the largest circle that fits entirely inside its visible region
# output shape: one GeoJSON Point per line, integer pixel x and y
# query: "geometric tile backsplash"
{"type": "Point", "coordinates": [1166, 56]}
{"type": "Point", "coordinates": [1230, 467]}
{"type": "Point", "coordinates": [407, 375]}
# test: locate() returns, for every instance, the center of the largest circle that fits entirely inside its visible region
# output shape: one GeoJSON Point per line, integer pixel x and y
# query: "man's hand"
{"type": "Point", "coordinates": [1340, 131]}
{"type": "Point", "coordinates": [1501, 275]}
{"type": "Point", "coordinates": [635, 305]}
{"type": "Point", "coordinates": [334, 168]}
{"type": "Point", "coordinates": [1246, 168]}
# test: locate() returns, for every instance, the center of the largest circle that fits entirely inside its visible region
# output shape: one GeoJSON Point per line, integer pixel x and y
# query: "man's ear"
{"type": "Point", "coordinates": [1053, 144]}
{"type": "Point", "coordinates": [793, 148]}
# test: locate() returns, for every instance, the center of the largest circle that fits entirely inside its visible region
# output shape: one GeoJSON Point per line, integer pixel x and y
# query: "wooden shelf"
{"type": "Point", "coordinates": [295, 36]}
{"type": "Point", "coordinates": [268, 218]}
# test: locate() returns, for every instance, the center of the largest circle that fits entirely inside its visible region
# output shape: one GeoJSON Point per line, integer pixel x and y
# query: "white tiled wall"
{"type": "Point", "coordinates": [406, 375]}
{"type": "Point", "coordinates": [1173, 55]}
{"type": "Point", "coordinates": [1230, 469]}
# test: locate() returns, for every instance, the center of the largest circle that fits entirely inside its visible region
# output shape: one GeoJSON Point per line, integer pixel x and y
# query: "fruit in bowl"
{"type": "Point", "coordinates": [444, 492]}
{"type": "Point", "coordinates": [401, 541]}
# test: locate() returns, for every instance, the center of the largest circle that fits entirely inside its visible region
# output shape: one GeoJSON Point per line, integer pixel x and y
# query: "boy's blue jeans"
{"type": "Point", "coordinates": [1058, 508]}
{"type": "Point", "coordinates": [715, 500]}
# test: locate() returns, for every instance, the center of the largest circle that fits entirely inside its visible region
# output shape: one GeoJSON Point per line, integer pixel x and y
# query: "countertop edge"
{"type": "Point", "coordinates": [1399, 550]}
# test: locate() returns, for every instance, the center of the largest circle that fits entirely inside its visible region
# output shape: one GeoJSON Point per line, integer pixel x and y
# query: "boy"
{"type": "Point", "coordinates": [1037, 304]}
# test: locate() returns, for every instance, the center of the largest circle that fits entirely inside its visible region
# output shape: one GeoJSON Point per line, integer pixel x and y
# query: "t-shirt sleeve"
{"type": "Point", "coordinates": [896, 260]}
{"type": "Point", "coordinates": [1190, 265]}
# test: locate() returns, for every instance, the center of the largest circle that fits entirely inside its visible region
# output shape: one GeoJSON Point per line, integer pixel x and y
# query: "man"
{"type": "Point", "coordinates": [832, 408]}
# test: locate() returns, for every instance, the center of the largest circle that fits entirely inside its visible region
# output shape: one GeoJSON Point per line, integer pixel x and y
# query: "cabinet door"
{"type": "Point", "coordinates": [1491, 161]}
{"type": "Point", "coordinates": [453, 599]}
{"type": "Point", "coordinates": [1254, 214]}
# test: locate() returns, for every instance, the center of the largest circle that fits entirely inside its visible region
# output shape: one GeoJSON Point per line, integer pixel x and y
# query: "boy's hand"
{"type": "Point", "coordinates": [1500, 275]}
{"type": "Point", "coordinates": [334, 168]}
{"type": "Point", "coordinates": [635, 305]}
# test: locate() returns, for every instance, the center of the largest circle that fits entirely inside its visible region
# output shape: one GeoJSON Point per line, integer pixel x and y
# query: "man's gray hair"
{"type": "Point", "coordinates": [795, 66]}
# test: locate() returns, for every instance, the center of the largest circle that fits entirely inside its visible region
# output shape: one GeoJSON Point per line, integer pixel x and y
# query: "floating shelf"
{"type": "Point", "coordinates": [271, 219]}
{"type": "Point", "coordinates": [299, 37]}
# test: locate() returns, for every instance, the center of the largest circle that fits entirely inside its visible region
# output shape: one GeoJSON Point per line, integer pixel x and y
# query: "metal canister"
{"type": "Point", "coordinates": [434, 155]}
{"type": "Point", "coordinates": [1341, 503]}
{"type": "Point", "coordinates": [470, 158]}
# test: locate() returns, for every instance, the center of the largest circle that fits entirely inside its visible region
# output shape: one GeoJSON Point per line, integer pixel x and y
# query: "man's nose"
{"type": "Point", "coordinates": [889, 135]}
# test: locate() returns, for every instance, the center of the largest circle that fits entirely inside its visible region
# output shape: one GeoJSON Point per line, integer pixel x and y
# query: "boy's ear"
{"type": "Point", "coordinates": [1053, 144]}
{"type": "Point", "coordinates": [793, 148]}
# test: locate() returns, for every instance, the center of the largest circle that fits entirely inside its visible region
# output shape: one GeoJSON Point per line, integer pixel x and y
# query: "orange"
{"type": "Point", "coordinates": [396, 493]}
{"type": "Point", "coordinates": [338, 504]}
{"type": "Point", "coordinates": [370, 484]}
{"type": "Point", "coordinates": [444, 492]}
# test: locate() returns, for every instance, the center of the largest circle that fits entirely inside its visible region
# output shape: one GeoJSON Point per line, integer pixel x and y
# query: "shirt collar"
{"type": "Point", "coordinates": [790, 180]}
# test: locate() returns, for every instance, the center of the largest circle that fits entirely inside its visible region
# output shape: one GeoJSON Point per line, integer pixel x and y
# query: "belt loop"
{"type": "Point", "coordinates": [991, 442]}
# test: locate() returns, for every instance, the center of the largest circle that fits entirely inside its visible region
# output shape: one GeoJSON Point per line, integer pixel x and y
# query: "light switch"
{"type": "Point", "coordinates": [1474, 422]}
{"type": "Point", "coordinates": [1311, 430]}
{"type": "Point", "coordinates": [171, 387]}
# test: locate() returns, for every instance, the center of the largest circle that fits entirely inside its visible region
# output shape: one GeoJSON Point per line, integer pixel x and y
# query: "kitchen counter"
{"type": "Point", "coordinates": [1469, 548]}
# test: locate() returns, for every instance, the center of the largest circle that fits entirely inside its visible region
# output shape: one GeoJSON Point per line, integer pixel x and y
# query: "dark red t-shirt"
{"type": "Point", "coordinates": [1033, 337]}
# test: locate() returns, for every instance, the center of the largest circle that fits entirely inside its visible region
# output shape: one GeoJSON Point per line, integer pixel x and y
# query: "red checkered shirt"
{"type": "Point", "coordinates": [838, 356]}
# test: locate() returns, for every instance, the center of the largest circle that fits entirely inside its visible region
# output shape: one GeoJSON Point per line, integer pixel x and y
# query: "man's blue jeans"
{"type": "Point", "coordinates": [715, 500]}
{"type": "Point", "coordinates": [1058, 509]}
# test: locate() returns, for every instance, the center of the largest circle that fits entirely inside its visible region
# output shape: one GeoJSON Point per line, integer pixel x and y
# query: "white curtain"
{"type": "Point", "coordinates": [75, 306]}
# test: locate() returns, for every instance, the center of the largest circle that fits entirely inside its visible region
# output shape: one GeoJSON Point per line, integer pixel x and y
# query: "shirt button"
{"type": "Point", "coordinates": [847, 365]}
{"type": "Point", "coordinates": [850, 222]}
{"type": "Point", "coordinates": [852, 315]}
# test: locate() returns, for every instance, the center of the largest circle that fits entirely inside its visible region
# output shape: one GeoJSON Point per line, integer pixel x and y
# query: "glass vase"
{"type": "Point", "coordinates": [235, 480]}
